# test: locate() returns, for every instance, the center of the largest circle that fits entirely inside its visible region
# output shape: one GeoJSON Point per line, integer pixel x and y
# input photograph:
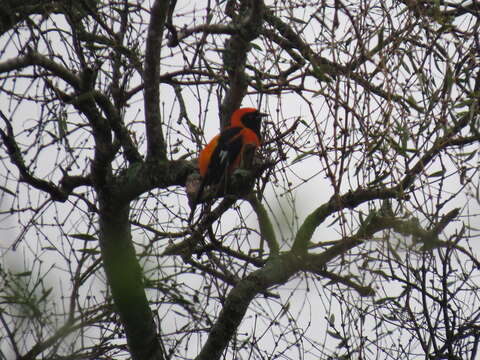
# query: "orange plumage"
{"type": "Point", "coordinates": [224, 151]}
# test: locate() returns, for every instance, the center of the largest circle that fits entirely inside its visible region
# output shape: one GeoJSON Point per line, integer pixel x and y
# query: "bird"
{"type": "Point", "coordinates": [223, 154]}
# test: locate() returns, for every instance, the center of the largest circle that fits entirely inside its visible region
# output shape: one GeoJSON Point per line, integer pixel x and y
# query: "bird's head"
{"type": "Point", "coordinates": [248, 117]}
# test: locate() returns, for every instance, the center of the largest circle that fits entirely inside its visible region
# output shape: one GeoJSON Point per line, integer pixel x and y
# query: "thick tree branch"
{"type": "Point", "coordinates": [142, 177]}
{"type": "Point", "coordinates": [205, 29]}
{"type": "Point", "coordinates": [357, 197]}
{"type": "Point", "coordinates": [125, 277]}
{"type": "Point", "coordinates": [105, 151]}
{"type": "Point", "coordinates": [235, 56]}
{"type": "Point", "coordinates": [374, 223]}
{"type": "Point", "coordinates": [84, 102]}
{"type": "Point", "coordinates": [34, 58]}
{"type": "Point", "coordinates": [115, 120]}
{"type": "Point", "coordinates": [156, 147]}
{"type": "Point", "coordinates": [58, 193]}
{"type": "Point", "coordinates": [277, 271]}
{"type": "Point", "coordinates": [336, 203]}
{"type": "Point", "coordinates": [13, 12]}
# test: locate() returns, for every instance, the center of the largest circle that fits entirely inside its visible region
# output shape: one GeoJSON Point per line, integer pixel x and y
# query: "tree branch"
{"type": "Point", "coordinates": [235, 56]}
{"type": "Point", "coordinates": [13, 12]}
{"type": "Point", "coordinates": [115, 120]}
{"type": "Point", "coordinates": [374, 223]}
{"type": "Point", "coordinates": [353, 199]}
{"type": "Point", "coordinates": [124, 276]}
{"type": "Point", "coordinates": [364, 291]}
{"type": "Point", "coordinates": [34, 58]}
{"type": "Point", "coordinates": [440, 144]}
{"type": "Point", "coordinates": [66, 329]}
{"type": "Point", "coordinates": [266, 228]}
{"type": "Point", "coordinates": [203, 28]}
{"type": "Point", "coordinates": [187, 246]}
{"type": "Point", "coordinates": [156, 147]}
{"type": "Point", "coordinates": [58, 193]}
{"type": "Point", "coordinates": [329, 67]}
{"type": "Point", "coordinates": [145, 176]}
{"type": "Point", "coordinates": [336, 203]}
{"type": "Point", "coordinates": [277, 271]}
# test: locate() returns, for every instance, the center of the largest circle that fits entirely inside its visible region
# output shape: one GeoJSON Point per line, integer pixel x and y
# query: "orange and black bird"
{"type": "Point", "coordinates": [223, 154]}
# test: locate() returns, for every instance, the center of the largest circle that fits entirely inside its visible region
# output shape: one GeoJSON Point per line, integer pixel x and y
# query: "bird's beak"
{"type": "Point", "coordinates": [263, 114]}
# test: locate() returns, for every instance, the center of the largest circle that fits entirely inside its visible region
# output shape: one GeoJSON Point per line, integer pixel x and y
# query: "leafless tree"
{"type": "Point", "coordinates": [351, 234]}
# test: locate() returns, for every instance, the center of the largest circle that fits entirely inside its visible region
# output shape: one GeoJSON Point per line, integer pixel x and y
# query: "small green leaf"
{"type": "Point", "coordinates": [334, 335]}
{"type": "Point", "coordinates": [256, 47]}
{"type": "Point", "coordinates": [49, 248]}
{"type": "Point", "coordinates": [437, 173]}
{"type": "Point", "coordinates": [301, 157]}
{"type": "Point", "coordinates": [468, 155]}
{"type": "Point", "coordinates": [85, 237]}
{"type": "Point", "coordinates": [89, 251]}
{"type": "Point", "coordinates": [26, 273]}
{"type": "Point", "coordinates": [380, 38]}
{"type": "Point", "coordinates": [297, 20]}
{"type": "Point", "coordinates": [45, 295]}
{"type": "Point", "coordinates": [384, 300]}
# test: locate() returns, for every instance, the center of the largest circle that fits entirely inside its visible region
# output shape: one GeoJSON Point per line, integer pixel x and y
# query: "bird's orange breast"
{"type": "Point", "coordinates": [206, 154]}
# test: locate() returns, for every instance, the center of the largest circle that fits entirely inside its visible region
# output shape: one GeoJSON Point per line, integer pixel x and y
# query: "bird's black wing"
{"type": "Point", "coordinates": [228, 148]}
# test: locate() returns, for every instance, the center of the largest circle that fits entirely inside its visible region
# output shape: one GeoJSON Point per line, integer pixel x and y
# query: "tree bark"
{"type": "Point", "coordinates": [125, 278]}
